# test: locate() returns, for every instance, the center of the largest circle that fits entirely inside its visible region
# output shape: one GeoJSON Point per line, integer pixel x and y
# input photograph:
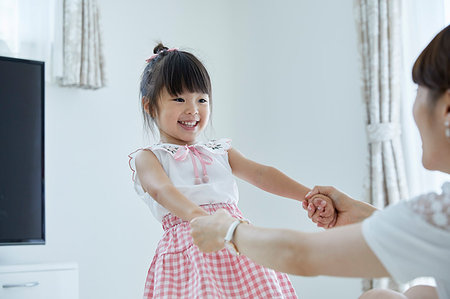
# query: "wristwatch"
{"type": "Point", "coordinates": [229, 245]}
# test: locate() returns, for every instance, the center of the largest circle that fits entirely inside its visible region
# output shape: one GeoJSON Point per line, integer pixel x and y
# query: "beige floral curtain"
{"type": "Point", "coordinates": [82, 50]}
{"type": "Point", "coordinates": [378, 24]}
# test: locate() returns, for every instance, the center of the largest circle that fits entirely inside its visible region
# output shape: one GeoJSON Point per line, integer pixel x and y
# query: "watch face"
{"type": "Point", "coordinates": [231, 248]}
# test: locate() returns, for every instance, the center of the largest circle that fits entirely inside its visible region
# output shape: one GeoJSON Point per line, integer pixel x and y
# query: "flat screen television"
{"type": "Point", "coordinates": [22, 210]}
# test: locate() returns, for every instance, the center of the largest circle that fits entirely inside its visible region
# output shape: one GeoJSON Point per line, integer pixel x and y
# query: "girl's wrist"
{"type": "Point", "coordinates": [197, 213]}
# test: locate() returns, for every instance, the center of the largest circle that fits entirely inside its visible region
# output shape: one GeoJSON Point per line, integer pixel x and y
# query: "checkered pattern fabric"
{"type": "Point", "coordinates": [180, 270]}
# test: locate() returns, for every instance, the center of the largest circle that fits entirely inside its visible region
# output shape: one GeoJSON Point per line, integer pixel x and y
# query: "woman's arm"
{"type": "Point", "coordinates": [265, 177]}
{"type": "Point", "coordinates": [155, 182]}
{"type": "Point", "coordinates": [337, 252]}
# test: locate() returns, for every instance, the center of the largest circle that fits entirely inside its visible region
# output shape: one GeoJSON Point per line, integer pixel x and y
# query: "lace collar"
{"type": "Point", "coordinates": [220, 146]}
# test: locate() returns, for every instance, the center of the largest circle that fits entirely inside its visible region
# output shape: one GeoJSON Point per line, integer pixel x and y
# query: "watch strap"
{"type": "Point", "coordinates": [231, 229]}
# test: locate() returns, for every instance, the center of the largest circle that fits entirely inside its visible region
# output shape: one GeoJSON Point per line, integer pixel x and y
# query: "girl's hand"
{"type": "Point", "coordinates": [325, 215]}
{"type": "Point", "coordinates": [313, 207]}
{"type": "Point", "coordinates": [208, 232]}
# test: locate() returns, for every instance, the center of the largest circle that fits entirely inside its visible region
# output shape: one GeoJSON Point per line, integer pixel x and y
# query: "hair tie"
{"type": "Point", "coordinates": [153, 56]}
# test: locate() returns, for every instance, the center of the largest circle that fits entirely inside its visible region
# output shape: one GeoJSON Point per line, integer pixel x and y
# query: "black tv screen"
{"type": "Point", "coordinates": [22, 217]}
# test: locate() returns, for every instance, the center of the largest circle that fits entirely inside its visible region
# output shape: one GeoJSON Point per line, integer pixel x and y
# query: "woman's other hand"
{"type": "Point", "coordinates": [208, 232]}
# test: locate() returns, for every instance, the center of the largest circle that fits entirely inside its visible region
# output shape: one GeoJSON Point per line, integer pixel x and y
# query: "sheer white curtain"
{"type": "Point", "coordinates": [28, 30]}
{"type": "Point", "coordinates": [421, 21]}
{"type": "Point", "coordinates": [379, 30]}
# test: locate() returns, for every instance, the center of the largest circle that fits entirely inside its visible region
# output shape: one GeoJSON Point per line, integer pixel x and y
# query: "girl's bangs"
{"type": "Point", "coordinates": [183, 73]}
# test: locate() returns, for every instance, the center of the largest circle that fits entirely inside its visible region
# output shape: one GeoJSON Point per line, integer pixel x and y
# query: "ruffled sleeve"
{"type": "Point", "coordinates": [163, 147]}
{"type": "Point", "coordinates": [132, 163]}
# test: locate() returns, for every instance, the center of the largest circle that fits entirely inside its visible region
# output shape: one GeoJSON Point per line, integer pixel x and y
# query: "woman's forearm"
{"type": "Point", "coordinates": [274, 248]}
{"type": "Point", "coordinates": [337, 252]}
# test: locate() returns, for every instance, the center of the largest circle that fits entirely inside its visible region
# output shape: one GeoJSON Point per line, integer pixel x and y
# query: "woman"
{"type": "Point", "coordinates": [404, 241]}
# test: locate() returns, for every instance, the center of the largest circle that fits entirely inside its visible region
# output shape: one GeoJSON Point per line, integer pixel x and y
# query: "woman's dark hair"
{"type": "Point", "coordinates": [175, 70]}
{"type": "Point", "coordinates": [432, 67]}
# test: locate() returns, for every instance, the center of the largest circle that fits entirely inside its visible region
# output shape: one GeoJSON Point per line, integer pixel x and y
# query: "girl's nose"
{"type": "Point", "coordinates": [191, 108]}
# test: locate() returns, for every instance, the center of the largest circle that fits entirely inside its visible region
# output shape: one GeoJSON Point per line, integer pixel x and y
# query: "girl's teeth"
{"type": "Point", "coordinates": [189, 124]}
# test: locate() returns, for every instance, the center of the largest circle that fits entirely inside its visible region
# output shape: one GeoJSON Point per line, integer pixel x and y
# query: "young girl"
{"type": "Point", "coordinates": [180, 178]}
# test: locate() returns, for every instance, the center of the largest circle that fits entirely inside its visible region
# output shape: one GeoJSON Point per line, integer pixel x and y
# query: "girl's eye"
{"type": "Point", "coordinates": [180, 100]}
{"type": "Point", "coordinates": [203, 101]}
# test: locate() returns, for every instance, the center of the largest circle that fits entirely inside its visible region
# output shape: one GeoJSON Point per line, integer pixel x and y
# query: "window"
{"type": "Point", "coordinates": [27, 30]}
{"type": "Point", "coordinates": [9, 25]}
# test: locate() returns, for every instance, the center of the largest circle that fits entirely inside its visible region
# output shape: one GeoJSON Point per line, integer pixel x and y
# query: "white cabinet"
{"type": "Point", "coordinates": [45, 281]}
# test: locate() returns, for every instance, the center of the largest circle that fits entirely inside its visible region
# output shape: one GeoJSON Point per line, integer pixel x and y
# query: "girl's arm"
{"type": "Point", "coordinates": [155, 182]}
{"type": "Point", "coordinates": [265, 177]}
{"type": "Point", "coordinates": [338, 252]}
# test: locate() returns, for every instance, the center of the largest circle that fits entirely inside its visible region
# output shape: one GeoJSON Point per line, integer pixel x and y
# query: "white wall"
{"type": "Point", "coordinates": [286, 90]}
{"type": "Point", "coordinates": [299, 108]}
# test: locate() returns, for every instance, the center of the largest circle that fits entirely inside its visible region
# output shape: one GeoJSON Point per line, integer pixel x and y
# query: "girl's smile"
{"type": "Point", "coordinates": [188, 125]}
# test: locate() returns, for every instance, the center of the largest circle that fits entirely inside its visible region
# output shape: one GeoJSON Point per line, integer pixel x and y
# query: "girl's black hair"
{"type": "Point", "coordinates": [175, 70]}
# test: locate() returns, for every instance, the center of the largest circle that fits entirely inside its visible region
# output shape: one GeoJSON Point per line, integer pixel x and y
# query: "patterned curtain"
{"type": "Point", "coordinates": [82, 51]}
{"type": "Point", "coordinates": [380, 46]}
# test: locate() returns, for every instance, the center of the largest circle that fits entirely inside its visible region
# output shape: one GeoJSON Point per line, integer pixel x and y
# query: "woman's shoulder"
{"type": "Point", "coordinates": [410, 230]}
{"type": "Point", "coordinates": [433, 207]}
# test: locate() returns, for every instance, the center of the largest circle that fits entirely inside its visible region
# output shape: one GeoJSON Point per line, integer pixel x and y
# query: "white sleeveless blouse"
{"type": "Point", "coordinates": [201, 172]}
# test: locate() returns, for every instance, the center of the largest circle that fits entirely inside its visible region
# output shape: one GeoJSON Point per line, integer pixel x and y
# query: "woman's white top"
{"type": "Point", "coordinates": [412, 238]}
{"type": "Point", "coordinates": [201, 172]}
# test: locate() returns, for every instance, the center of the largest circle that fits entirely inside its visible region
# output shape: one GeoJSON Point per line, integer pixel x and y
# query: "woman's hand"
{"type": "Point", "coordinates": [348, 210]}
{"type": "Point", "coordinates": [209, 232]}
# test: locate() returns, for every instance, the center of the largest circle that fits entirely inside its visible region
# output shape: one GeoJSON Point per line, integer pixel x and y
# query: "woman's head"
{"type": "Point", "coordinates": [431, 72]}
{"type": "Point", "coordinates": [175, 87]}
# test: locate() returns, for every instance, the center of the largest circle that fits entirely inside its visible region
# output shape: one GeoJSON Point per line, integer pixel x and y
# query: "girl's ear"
{"type": "Point", "coordinates": [146, 105]}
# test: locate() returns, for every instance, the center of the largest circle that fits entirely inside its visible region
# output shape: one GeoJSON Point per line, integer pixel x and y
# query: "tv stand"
{"type": "Point", "coordinates": [39, 281]}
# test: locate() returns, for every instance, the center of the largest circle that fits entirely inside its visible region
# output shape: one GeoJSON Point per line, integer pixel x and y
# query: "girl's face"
{"type": "Point", "coordinates": [430, 120]}
{"type": "Point", "coordinates": [182, 118]}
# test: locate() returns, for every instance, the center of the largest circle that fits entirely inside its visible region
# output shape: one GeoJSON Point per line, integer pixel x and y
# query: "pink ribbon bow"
{"type": "Point", "coordinates": [204, 159]}
{"type": "Point", "coordinates": [153, 56]}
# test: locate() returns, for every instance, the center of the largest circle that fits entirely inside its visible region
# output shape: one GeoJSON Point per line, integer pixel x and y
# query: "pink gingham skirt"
{"type": "Point", "coordinates": [180, 270]}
